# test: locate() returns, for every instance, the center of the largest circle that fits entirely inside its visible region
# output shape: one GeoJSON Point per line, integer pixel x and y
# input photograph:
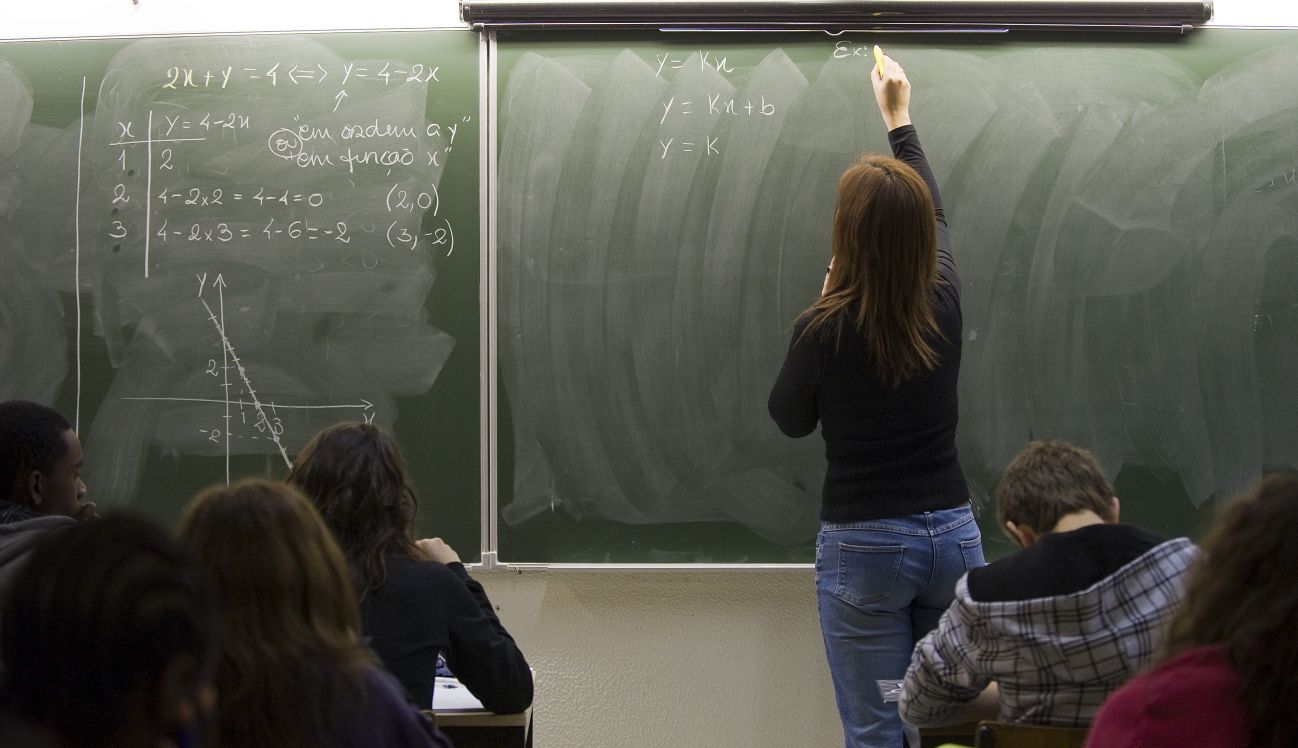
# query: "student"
{"type": "Point", "coordinates": [40, 480]}
{"type": "Point", "coordinates": [875, 362]}
{"type": "Point", "coordinates": [1226, 675]}
{"type": "Point", "coordinates": [417, 600]}
{"type": "Point", "coordinates": [292, 671]}
{"type": "Point", "coordinates": [1064, 622]}
{"type": "Point", "coordinates": [107, 641]}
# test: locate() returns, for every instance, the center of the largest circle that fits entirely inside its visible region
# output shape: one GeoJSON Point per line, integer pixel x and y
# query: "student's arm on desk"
{"type": "Point", "coordinates": [483, 655]}
{"type": "Point", "coordinates": [942, 686]}
{"type": "Point", "coordinates": [986, 707]}
{"type": "Point", "coordinates": [454, 705]}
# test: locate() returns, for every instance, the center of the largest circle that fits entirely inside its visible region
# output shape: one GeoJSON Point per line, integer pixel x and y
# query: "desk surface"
{"type": "Point", "coordinates": [463, 719]}
{"type": "Point", "coordinates": [454, 706]}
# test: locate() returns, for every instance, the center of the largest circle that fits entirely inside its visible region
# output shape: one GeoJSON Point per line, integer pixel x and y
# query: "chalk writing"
{"type": "Point", "coordinates": [228, 355]}
{"type": "Point", "coordinates": [701, 108]}
{"type": "Point", "coordinates": [703, 58]}
{"type": "Point", "coordinates": [233, 241]}
{"type": "Point", "coordinates": [845, 50]}
{"type": "Point", "coordinates": [228, 121]}
{"type": "Point", "coordinates": [179, 77]}
{"type": "Point", "coordinates": [718, 104]}
{"type": "Point", "coordinates": [1280, 179]}
{"type": "Point", "coordinates": [202, 196]}
{"type": "Point", "coordinates": [172, 144]}
{"type": "Point", "coordinates": [296, 181]}
{"type": "Point", "coordinates": [707, 144]}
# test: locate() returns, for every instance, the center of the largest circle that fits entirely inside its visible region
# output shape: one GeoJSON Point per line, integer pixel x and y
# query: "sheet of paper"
{"type": "Point", "coordinates": [449, 695]}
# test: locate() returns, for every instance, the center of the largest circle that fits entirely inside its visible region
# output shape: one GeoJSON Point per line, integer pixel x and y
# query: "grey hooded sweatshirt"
{"type": "Point", "coordinates": [18, 539]}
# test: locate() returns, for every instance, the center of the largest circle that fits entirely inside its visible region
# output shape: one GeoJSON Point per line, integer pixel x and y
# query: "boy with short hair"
{"type": "Point", "coordinates": [40, 480]}
{"type": "Point", "coordinates": [1064, 622]}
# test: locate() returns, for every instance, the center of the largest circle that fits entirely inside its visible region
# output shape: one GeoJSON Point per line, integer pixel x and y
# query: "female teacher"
{"type": "Point", "coordinates": [875, 361]}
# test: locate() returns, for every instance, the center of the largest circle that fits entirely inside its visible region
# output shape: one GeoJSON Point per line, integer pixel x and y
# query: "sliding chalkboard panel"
{"type": "Point", "coordinates": [1124, 213]}
{"type": "Point", "coordinates": [214, 246]}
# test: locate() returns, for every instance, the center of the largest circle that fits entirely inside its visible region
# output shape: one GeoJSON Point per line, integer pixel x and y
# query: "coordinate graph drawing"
{"type": "Point", "coordinates": [266, 424]}
{"type": "Point", "coordinates": [263, 423]}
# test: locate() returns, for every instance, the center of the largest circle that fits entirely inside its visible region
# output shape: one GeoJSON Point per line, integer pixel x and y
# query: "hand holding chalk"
{"type": "Point", "coordinates": [891, 91]}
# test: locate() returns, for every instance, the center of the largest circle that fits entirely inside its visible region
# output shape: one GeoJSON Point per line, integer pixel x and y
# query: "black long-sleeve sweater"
{"type": "Point", "coordinates": [425, 608]}
{"type": "Point", "coordinates": [891, 452]}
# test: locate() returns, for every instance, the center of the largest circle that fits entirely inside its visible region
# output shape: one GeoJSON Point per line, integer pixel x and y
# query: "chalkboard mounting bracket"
{"type": "Point", "coordinates": [490, 563]}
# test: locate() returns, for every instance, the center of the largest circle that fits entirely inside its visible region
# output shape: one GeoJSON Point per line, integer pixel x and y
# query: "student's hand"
{"type": "Point", "coordinates": [892, 93]}
{"type": "Point", "coordinates": [436, 549]}
{"type": "Point", "coordinates": [86, 510]}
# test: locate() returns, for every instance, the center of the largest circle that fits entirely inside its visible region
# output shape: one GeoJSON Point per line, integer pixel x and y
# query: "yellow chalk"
{"type": "Point", "coordinates": [878, 60]}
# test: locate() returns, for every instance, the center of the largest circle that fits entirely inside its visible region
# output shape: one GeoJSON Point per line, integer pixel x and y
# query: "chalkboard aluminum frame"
{"type": "Point", "coordinates": [488, 500]}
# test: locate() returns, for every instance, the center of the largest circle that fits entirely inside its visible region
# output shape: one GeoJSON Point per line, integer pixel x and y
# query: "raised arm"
{"type": "Point", "coordinates": [892, 94]}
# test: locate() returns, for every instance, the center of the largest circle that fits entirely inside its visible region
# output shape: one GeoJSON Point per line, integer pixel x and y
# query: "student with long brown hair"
{"type": "Point", "coordinates": [1227, 676]}
{"type": "Point", "coordinates": [417, 600]}
{"type": "Point", "coordinates": [874, 360]}
{"type": "Point", "coordinates": [108, 640]}
{"type": "Point", "coordinates": [292, 671]}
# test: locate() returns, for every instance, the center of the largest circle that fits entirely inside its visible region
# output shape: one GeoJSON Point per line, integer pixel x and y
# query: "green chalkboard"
{"type": "Point", "coordinates": [1123, 209]}
{"type": "Point", "coordinates": [211, 247]}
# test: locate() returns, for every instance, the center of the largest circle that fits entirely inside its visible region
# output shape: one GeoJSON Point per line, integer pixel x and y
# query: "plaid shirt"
{"type": "Point", "coordinates": [1054, 658]}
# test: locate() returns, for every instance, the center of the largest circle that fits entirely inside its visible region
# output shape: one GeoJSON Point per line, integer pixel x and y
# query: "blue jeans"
{"type": "Point", "coordinates": [880, 587]}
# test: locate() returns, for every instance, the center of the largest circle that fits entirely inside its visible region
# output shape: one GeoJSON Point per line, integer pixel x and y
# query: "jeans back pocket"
{"type": "Point", "coordinates": [972, 552]}
{"type": "Point", "coordinates": [867, 573]}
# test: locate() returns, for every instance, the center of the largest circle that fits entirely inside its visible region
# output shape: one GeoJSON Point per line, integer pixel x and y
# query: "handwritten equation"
{"type": "Point", "coordinates": [180, 77]}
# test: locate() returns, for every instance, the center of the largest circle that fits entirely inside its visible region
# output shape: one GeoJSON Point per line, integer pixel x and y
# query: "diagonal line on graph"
{"type": "Point", "coordinates": [247, 383]}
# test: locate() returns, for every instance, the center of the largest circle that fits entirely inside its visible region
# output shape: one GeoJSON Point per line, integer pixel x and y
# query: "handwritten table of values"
{"type": "Point", "coordinates": [265, 234]}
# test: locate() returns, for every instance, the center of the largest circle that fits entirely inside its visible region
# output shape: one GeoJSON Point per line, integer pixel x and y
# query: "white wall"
{"type": "Point", "coordinates": [689, 660]}
{"type": "Point", "coordinates": [27, 19]}
{"type": "Point", "coordinates": [623, 659]}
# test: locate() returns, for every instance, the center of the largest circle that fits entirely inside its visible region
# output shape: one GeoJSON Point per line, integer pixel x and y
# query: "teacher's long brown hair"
{"type": "Point", "coordinates": [885, 261]}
